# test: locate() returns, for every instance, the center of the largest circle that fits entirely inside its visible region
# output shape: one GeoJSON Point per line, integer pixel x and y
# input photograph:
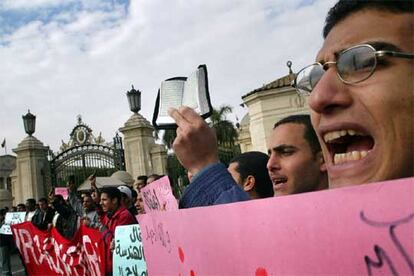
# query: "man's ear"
{"type": "Point", "coordinates": [321, 160]}
{"type": "Point", "coordinates": [116, 201]}
{"type": "Point", "coordinates": [249, 183]}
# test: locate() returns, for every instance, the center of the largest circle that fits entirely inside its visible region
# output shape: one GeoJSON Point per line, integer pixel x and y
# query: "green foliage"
{"type": "Point", "coordinates": [168, 138]}
{"type": "Point", "coordinates": [176, 172]}
{"type": "Point", "coordinates": [225, 130]}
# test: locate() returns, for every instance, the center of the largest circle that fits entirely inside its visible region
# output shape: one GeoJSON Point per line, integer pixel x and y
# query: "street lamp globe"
{"type": "Point", "coordinates": [29, 121]}
{"type": "Point", "coordinates": [134, 100]}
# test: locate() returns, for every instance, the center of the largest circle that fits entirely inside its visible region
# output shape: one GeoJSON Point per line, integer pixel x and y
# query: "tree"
{"type": "Point", "coordinates": [168, 137]}
{"type": "Point", "coordinates": [225, 130]}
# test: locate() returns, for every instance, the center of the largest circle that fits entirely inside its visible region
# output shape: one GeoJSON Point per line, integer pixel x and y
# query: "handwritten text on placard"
{"type": "Point", "coordinates": [11, 218]}
{"type": "Point", "coordinates": [158, 196]}
{"type": "Point", "coordinates": [360, 230]}
{"type": "Point", "coordinates": [128, 258]}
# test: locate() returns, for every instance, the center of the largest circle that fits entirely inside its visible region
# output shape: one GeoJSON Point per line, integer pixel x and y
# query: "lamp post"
{"type": "Point", "coordinates": [134, 99]}
{"type": "Point", "coordinates": [119, 157]}
{"type": "Point", "coordinates": [117, 141]}
{"type": "Point", "coordinates": [29, 121]}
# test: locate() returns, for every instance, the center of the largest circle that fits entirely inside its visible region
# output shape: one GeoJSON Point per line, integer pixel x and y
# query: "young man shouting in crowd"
{"type": "Point", "coordinates": [361, 94]}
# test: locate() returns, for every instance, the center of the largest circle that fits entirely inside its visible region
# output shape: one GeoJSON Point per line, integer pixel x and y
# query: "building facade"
{"type": "Point", "coordinates": [7, 166]}
{"type": "Point", "coordinates": [267, 105]}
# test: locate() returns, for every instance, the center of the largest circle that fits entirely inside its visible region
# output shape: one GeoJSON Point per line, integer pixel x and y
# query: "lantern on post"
{"type": "Point", "coordinates": [134, 99]}
{"type": "Point", "coordinates": [29, 121]}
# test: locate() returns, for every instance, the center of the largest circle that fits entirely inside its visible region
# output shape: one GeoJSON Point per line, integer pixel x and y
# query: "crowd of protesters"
{"type": "Point", "coordinates": [102, 209]}
{"type": "Point", "coordinates": [349, 139]}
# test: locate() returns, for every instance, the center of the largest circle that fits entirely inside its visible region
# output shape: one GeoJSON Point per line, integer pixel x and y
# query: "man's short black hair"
{"type": "Point", "coordinates": [58, 198]}
{"type": "Point", "coordinates": [155, 176]}
{"type": "Point", "coordinates": [134, 193]}
{"type": "Point", "coordinates": [254, 163]}
{"type": "Point", "coordinates": [309, 135]}
{"type": "Point", "coordinates": [31, 201]}
{"type": "Point", "coordinates": [143, 178]}
{"type": "Point", "coordinates": [43, 199]}
{"type": "Point", "coordinates": [3, 212]}
{"type": "Point", "coordinates": [112, 192]}
{"type": "Point", "coordinates": [86, 193]}
{"type": "Point", "coordinates": [343, 8]}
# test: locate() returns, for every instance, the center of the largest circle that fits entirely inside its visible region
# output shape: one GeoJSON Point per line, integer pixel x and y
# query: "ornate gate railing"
{"type": "Point", "coordinates": [82, 161]}
{"type": "Point", "coordinates": [86, 154]}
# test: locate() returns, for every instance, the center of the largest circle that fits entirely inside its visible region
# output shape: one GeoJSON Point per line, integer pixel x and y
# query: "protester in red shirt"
{"type": "Point", "coordinates": [114, 215]}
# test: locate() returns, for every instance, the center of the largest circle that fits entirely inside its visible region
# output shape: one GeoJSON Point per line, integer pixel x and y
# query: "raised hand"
{"type": "Point", "coordinates": [196, 143]}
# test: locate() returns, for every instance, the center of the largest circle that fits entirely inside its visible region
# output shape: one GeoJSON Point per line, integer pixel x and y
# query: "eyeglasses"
{"type": "Point", "coordinates": [353, 65]}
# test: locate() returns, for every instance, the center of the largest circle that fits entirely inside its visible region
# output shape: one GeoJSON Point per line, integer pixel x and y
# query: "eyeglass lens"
{"type": "Point", "coordinates": [308, 77]}
{"type": "Point", "coordinates": [356, 64]}
{"type": "Point", "coordinates": [353, 65]}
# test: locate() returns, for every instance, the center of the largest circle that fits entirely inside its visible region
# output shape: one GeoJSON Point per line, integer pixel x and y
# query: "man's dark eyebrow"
{"type": "Point", "coordinates": [378, 46]}
{"type": "Point", "coordinates": [283, 147]}
{"type": "Point", "coordinates": [381, 45]}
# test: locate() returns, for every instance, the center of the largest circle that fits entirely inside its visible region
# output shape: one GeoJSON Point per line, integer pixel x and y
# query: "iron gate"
{"type": "Point", "coordinates": [82, 161]}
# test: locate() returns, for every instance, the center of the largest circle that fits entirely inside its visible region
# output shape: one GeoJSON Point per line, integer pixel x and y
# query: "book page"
{"type": "Point", "coordinates": [202, 91]}
{"type": "Point", "coordinates": [191, 91]}
{"type": "Point", "coordinates": [171, 94]}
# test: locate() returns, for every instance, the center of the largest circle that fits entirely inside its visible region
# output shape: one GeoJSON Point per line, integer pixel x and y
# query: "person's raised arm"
{"type": "Point", "coordinates": [196, 149]}
{"type": "Point", "coordinates": [196, 143]}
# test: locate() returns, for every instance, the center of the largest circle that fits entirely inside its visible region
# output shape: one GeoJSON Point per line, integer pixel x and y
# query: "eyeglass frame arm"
{"type": "Point", "coordinates": [394, 54]}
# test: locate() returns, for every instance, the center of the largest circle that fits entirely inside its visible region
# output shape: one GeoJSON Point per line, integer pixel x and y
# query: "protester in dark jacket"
{"type": "Point", "coordinates": [66, 221]}
{"type": "Point", "coordinates": [44, 215]}
{"type": "Point", "coordinates": [6, 244]}
{"type": "Point", "coordinates": [213, 185]}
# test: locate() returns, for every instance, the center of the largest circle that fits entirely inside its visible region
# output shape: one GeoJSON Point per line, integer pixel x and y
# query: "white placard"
{"type": "Point", "coordinates": [11, 218]}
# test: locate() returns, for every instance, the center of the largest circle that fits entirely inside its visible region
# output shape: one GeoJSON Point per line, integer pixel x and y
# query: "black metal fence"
{"type": "Point", "coordinates": [82, 161]}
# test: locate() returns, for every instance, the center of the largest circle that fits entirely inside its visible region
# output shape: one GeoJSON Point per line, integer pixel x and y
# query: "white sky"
{"type": "Point", "coordinates": [81, 58]}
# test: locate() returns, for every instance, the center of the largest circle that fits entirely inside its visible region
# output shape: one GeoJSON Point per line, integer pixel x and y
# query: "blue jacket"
{"type": "Point", "coordinates": [211, 186]}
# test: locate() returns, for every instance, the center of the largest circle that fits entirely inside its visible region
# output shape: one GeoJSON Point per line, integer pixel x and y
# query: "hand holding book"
{"type": "Point", "coordinates": [181, 91]}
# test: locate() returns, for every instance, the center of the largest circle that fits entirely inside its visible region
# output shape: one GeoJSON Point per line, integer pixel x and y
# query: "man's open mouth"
{"type": "Point", "coordinates": [279, 180]}
{"type": "Point", "coordinates": [348, 145]}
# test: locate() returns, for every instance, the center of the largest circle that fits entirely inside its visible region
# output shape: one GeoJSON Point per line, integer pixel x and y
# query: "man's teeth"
{"type": "Point", "coordinates": [339, 133]}
{"type": "Point", "coordinates": [340, 158]}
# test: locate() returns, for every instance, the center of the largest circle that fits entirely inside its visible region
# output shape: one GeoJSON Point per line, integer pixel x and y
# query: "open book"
{"type": "Point", "coordinates": [181, 91]}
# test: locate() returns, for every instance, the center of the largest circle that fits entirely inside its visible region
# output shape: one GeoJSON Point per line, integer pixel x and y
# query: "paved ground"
{"type": "Point", "coordinates": [16, 265]}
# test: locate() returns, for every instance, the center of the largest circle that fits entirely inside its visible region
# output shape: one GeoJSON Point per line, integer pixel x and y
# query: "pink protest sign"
{"type": "Point", "coordinates": [62, 191]}
{"type": "Point", "coordinates": [366, 229]}
{"type": "Point", "coordinates": [158, 196]}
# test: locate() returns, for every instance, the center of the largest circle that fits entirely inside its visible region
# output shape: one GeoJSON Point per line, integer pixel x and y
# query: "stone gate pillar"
{"type": "Point", "coordinates": [32, 170]}
{"type": "Point", "coordinates": [138, 142]}
{"type": "Point", "coordinates": [159, 159]}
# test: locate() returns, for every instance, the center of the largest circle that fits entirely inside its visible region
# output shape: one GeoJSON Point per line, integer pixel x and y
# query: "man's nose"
{"type": "Point", "coordinates": [329, 94]}
{"type": "Point", "coordinates": [273, 163]}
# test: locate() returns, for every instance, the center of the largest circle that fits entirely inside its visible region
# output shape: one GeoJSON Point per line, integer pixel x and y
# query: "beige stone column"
{"type": "Point", "coordinates": [269, 104]}
{"type": "Point", "coordinates": [138, 142]}
{"type": "Point", "coordinates": [159, 159]}
{"type": "Point", "coordinates": [32, 168]}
